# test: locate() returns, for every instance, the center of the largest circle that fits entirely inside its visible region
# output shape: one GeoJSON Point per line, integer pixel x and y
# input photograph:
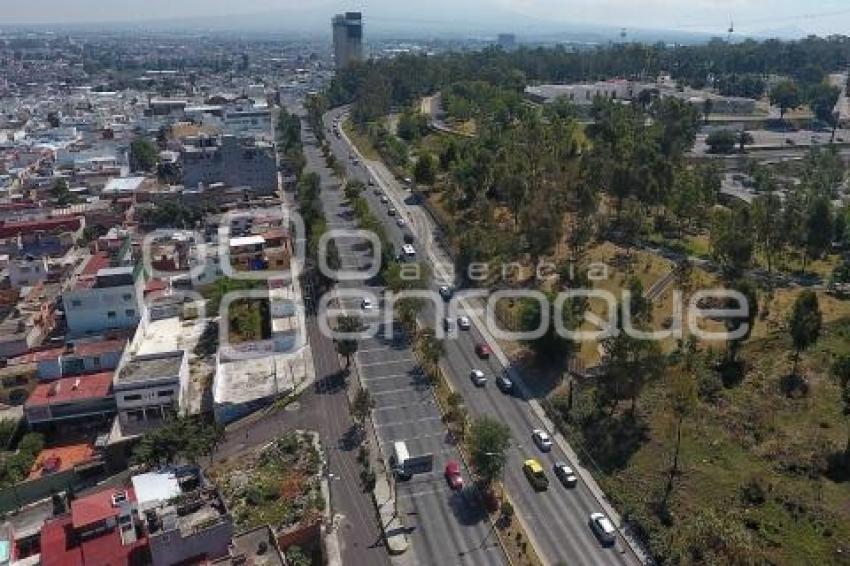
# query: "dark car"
{"type": "Point", "coordinates": [504, 383]}
{"type": "Point", "coordinates": [446, 292]}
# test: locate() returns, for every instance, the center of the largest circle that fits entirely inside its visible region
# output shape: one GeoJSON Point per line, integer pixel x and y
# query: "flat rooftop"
{"type": "Point", "coordinates": [243, 381]}
{"type": "Point", "coordinates": [151, 367]}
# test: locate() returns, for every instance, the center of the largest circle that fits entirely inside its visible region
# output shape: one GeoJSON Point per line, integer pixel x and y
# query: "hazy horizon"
{"type": "Point", "coordinates": [756, 17]}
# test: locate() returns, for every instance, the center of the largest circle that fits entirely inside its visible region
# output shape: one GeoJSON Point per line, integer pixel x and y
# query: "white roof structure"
{"type": "Point", "coordinates": [154, 488]}
{"type": "Point", "coordinates": [123, 185]}
{"type": "Point", "coordinates": [247, 241]}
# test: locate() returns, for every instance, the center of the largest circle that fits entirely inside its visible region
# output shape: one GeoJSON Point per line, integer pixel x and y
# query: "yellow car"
{"type": "Point", "coordinates": [535, 474]}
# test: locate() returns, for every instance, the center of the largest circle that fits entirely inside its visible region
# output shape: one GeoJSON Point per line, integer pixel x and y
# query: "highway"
{"type": "Point", "coordinates": [445, 527]}
{"type": "Point", "coordinates": [557, 519]}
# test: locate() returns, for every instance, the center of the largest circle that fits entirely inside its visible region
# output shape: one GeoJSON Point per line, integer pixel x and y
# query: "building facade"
{"type": "Point", "coordinates": [112, 299]}
{"type": "Point", "coordinates": [234, 162]}
{"type": "Point", "coordinates": [348, 38]}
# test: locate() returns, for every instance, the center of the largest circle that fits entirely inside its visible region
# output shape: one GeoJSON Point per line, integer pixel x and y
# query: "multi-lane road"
{"type": "Point", "coordinates": [445, 527]}
{"type": "Point", "coordinates": [557, 519]}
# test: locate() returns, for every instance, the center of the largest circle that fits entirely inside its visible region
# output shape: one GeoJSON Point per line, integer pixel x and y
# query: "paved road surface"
{"type": "Point", "coordinates": [445, 527]}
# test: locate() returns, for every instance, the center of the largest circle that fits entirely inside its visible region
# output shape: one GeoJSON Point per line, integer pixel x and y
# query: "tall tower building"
{"type": "Point", "coordinates": [348, 38]}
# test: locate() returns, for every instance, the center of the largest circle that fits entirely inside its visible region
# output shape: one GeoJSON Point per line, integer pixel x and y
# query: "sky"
{"type": "Point", "coordinates": [713, 16]}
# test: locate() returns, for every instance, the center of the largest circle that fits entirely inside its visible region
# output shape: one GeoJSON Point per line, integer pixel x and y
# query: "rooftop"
{"type": "Point", "coordinates": [59, 546]}
{"type": "Point", "coordinates": [123, 185]}
{"type": "Point", "coordinates": [243, 381]}
{"type": "Point", "coordinates": [98, 506]}
{"type": "Point", "coordinates": [151, 367]}
{"type": "Point", "coordinates": [154, 488]}
{"type": "Point", "coordinates": [61, 458]}
{"type": "Point", "coordinates": [256, 547]}
{"type": "Point", "coordinates": [71, 389]}
{"type": "Point", "coordinates": [247, 241]}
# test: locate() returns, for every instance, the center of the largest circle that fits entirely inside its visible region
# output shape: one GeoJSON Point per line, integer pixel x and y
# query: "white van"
{"type": "Point", "coordinates": [398, 459]}
{"type": "Point", "coordinates": [408, 252]}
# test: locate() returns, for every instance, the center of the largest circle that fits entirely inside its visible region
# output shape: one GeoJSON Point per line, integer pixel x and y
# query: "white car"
{"type": "Point", "coordinates": [603, 528]}
{"type": "Point", "coordinates": [463, 323]}
{"type": "Point", "coordinates": [566, 474]}
{"type": "Point", "coordinates": [400, 222]}
{"type": "Point", "coordinates": [541, 439]}
{"type": "Point", "coordinates": [478, 378]}
{"type": "Point", "coordinates": [367, 305]}
{"type": "Point", "coordinates": [384, 199]}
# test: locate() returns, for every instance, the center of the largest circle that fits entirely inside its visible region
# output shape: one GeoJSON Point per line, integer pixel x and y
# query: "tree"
{"type": "Point", "coordinates": [822, 99]}
{"type": "Point", "coordinates": [804, 324]}
{"type": "Point", "coordinates": [767, 222]}
{"type": "Point", "coordinates": [143, 155]}
{"type": "Point", "coordinates": [733, 345]}
{"type": "Point", "coordinates": [362, 406]}
{"type": "Point", "coordinates": [785, 95]}
{"type": "Point", "coordinates": [488, 441]}
{"type": "Point", "coordinates": [731, 238]}
{"type": "Point", "coordinates": [818, 228]}
{"type": "Point", "coordinates": [430, 347]}
{"type": "Point", "coordinates": [683, 402]}
{"type": "Point", "coordinates": [744, 138]}
{"type": "Point", "coordinates": [423, 171]}
{"type": "Point", "coordinates": [62, 193]}
{"type": "Point", "coordinates": [347, 347]}
{"type": "Point", "coordinates": [841, 372]}
{"type": "Point", "coordinates": [721, 141]}
{"type": "Point", "coordinates": [182, 439]}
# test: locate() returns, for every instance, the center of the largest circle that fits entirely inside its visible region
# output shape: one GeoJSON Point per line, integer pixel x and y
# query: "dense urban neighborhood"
{"type": "Point", "coordinates": [368, 300]}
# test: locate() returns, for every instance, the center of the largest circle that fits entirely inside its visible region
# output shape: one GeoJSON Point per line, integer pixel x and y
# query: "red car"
{"type": "Point", "coordinates": [483, 351]}
{"type": "Point", "coordinates": [453, 475]}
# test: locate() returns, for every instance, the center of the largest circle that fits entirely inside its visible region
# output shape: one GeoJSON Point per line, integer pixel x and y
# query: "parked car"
{"type": "Point", "coordinates": [478, 378]}
{"type": "Point", "coordinates": [541, 439]}
{"type": "Point", "coordinates": [453, 477]}
{"type": "Point", "coordinates": [367, 304]}
{"type": "Point", "coordinates": [391, 212]}
{"type": "Point", "coordinates": [384, 199]}
{"type": "Point", "coordinates": [565, 473]}
{"type": "Point", "coordinates": [504, 383]}
{"type": "Point", "coordinates": [535, 474]}
{"type": "Point", "coordinates": [483, 351]}
{"type": "Point", "coordinates": [463, 323]}
{"type": "Point", "coordinates": [603, 528]}
{"type": "Point", "coordinates": [448, 326]}
{"type": "Point", "coordinates": [400, 222]}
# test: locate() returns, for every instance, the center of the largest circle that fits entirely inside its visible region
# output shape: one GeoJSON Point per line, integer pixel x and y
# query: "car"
{"type": "Point", "coordinates": [391, 212]}
{"type": "Point", "coordinates": [463, 323]}
{"type": "Point", "coordinates": [447, 325]}
{"type": "Point", "coordinates": [504, 383]}
{"type": "Point", "coordinates": [483, 351]}
{"type": "Point", "coordinates": [536, 476]}
{"type": "Point", "coordinates": [478, 378]}
{"type": "Point", "coordinates": [356, 161]}
{"type": "Point", "coordinates": [565, 473]}
{"type": "Point", "coordinates": [367, 304]}
{"type": "Point", "coordinates": [384, 199]}
{"type": "Point", "coordinates": [453, 477]}
{"type": "Point", "coordinates": [603, 528]}
{"type": "Point", "coordinates": [400, 222]}
{"type": "Point", "coordinates": [371, 183]}
{"type": "Point", "coordinates": [541, 439]}
{"type": "Point", "coordinates": [446, 292]}
{"type": "Point", "coordinates": [376, 191]}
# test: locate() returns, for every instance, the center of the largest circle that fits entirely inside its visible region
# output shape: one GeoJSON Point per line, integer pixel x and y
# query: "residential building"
{"type": "Point", "coordinates": [113, 298]}
{"type": "Point", "coordinates": [27, 271]}
{"type": "Point", "coordinates": [102, 528]}
{"type": "Point", "coordinates": [230, 160]}
{"type": "Point", "coordinates": [347, 38]}
{"type": "Point", "coordinates": [71, 398]}
{"type": "Point", "coordinates": [78, 357]}
{"type": "Point", "coordinates": [148, 388]}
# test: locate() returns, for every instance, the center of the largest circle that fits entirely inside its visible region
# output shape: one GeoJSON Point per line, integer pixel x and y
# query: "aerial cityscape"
{"type": "Point", "coordinates": [529, 283]}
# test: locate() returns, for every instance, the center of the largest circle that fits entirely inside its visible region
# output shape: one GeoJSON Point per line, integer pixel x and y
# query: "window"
{"type": "Point", "coordinates": [126, 296]}
{"type": "Point", "coordinates": [133, 397]}
{"type": "Point", "coordinates": [130, 313]}
{"type": "Point", "coordinates": [96, 362]}
{"type": "Point", "coordinates": [165, 393]}
{"type": "Point", "coordinates": [111, 314]}
{"type": "Point", "coordinates": [76, 303]}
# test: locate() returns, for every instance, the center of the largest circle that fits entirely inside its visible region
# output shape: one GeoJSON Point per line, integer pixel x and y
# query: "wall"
{"type": "Point", "coordinates": [170, 548]}
{"type": "Point", "coordinates": [87, 310]}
